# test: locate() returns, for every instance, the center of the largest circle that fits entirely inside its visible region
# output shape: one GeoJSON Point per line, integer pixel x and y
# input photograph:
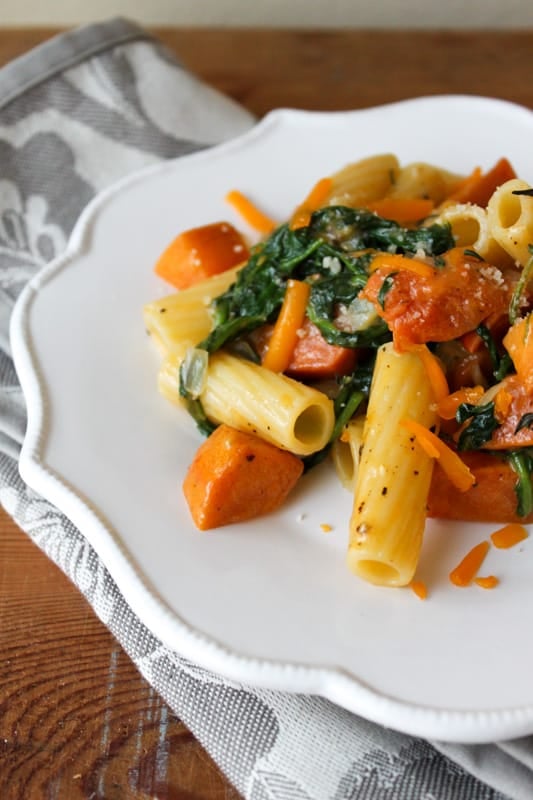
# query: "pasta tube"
{"type": "Point", "coordinates": [510, 218]}
{"type": "Point", "coordinates": [180, 320]}
{"type": "Point", "coordinates": [423, 180]}
{"type": "Point", "coordinates": [389, 510]}
{"type": "Point", "coordinates": [470, 227]}
{"type": "Point", "coordinates": [363, 181]}
{"type": "Point", "coordinates": [253, 399]}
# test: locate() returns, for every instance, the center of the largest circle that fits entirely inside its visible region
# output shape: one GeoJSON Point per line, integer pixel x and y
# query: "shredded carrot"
{"type": "Point", "coordinates": [518, 341]}
{"type": "Point", "coordinates": [487, 582]}
{"type": "Point", "coordinates": [434, 371]}
{"type": "Point", "coordinates": [455, 468]}
{"type": "Point", "coordinates": [402, 209]}
{"type": "Point", "coordinates": [394, 261]}
{"type": "Point", "coordinates": [467, 569]}
{"type": "Point", "coordinates": [314, 200]}
{"type": "Point", "coordinates": [502, 403]}
{"type": "Point", "coordinates": [285, 333]}
{"type": "Point", "coordinates": [509, 535]}
{"type": "Point", "coordinates": [447, 406]}
{"type": "Point", "coordinates": [249, 212]}
{"type": "Point", "coordinates": [420, 589]}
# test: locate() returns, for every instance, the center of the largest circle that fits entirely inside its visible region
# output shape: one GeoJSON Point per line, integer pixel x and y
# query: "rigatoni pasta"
{"type": "Point", "coordinates": [365, 180]}
{"type": "Point", "coordinates": [472, 228]}
{"type": "Point", "coordinates": [510, 218]}
{"type": "Point", "coordinates": [180, 320]}
{"type": "Point", "coordinates": [424, 180]}
{"type": "Point", "coordinates": [256, 400]}
{"type": "Point", "coordinates": [393, 479]}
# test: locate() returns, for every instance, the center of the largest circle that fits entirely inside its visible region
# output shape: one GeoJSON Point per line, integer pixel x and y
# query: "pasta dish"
{"type": "Point", "coordinates": [385, 326]}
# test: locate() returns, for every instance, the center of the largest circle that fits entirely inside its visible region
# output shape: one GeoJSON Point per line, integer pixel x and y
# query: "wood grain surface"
{"type": "Point", "coordinates": [76, 718]}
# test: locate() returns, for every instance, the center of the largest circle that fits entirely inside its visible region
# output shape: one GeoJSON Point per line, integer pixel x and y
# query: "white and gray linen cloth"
{"type": "Point", "coordinates": [76, 114]}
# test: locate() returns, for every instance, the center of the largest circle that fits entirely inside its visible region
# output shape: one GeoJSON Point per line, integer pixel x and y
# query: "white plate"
{"type": "Point", "coordinates": [269, 603]}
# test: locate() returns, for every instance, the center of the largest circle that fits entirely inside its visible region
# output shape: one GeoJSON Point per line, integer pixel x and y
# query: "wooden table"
{"type": "Point", "coordinates": [76, 718]}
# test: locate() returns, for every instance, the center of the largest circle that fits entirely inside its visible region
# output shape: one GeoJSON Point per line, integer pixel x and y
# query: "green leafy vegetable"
{"type": "Point", "coordinates": [327, 254]}
{"type": "Point", "coordinates": [522, 463]}
{"type": "Point", "coordinates": [482, 425]}
{"type": "Point", "coordinates": [501, 362]}
{"type": "Point", "coordinates": [385, 288]}
{"type": "Point", "coordinates": [352, 229]}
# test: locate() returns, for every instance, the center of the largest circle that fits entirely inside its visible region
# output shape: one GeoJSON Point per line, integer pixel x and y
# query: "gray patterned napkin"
{"type": "Point", "coordinates": [76, 114]}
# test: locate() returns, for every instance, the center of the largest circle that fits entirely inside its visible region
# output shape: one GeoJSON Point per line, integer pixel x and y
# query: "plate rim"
{"type": "Point", "coordinates": [333, 683]}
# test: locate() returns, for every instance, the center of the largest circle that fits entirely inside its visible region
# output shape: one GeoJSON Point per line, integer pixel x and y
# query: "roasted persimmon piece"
{"type": "Point", "coordinates": [491, 499]}
{"type": "Point", "coordinates": [198, 253]}
{"type": "Point", "coordinates": [451, 301]}
{"type": "Point", "coordinates": [237, 476]}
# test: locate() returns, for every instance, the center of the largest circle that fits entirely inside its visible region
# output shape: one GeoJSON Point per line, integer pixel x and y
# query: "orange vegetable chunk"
{"type": "Point", "coordinates": [434, 305]}
{"type": "Point", "coordinates": [315, 359]}
{"type": "Point", "coordinates": [492, 498]}
{"type": "Point", "coordinates": [198, 253]}
{"type": "Point", "coordinates": [479, 187]}
{"type": "Point", "coordinates": [237, 476]}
